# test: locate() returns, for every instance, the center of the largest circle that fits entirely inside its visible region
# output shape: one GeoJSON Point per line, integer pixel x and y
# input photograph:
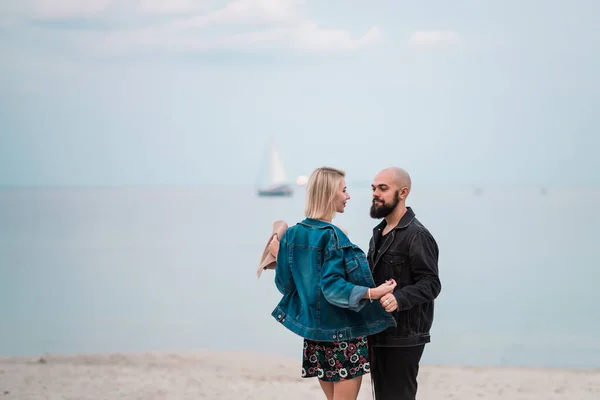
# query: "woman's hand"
{"type": "Point", "coordinates": [383, 289]}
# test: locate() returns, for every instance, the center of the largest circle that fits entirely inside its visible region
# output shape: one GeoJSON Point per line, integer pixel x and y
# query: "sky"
{"type": "Point", "coordinates": [150, 92]}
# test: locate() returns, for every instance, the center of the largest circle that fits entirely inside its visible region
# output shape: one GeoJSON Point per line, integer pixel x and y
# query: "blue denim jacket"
{"type": "Point", "coordinates": [323, 278]}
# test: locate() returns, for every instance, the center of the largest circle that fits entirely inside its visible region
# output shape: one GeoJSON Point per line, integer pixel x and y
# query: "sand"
{"type": "Point", "coordinates": [181, 376]}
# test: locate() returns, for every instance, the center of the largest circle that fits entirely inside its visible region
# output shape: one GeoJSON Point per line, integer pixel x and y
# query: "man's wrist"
{"type": "Point", "coordinates": [397, 297]}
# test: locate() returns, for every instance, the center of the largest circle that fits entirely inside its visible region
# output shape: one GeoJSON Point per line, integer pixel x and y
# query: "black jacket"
{"type": "Point", "coordinates": [408, 254]}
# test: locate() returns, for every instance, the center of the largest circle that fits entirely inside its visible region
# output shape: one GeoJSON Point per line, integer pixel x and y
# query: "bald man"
{"type": "Point", "coordinates": [402, 249]}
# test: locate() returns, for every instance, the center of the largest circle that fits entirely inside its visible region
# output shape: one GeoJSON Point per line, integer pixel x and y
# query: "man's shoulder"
{"type": "Point", "coordinates": [418, 227]}
{"type": "Point", "coordinates": [421, 236]}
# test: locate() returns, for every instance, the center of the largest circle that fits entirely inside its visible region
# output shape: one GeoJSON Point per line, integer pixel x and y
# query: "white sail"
{"type": "Point", "coordinates": [277, 186]}
{"type": "Point", "coordinates": [276, 170]}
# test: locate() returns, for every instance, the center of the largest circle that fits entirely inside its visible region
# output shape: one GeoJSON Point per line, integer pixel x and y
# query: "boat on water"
{"type": "Point", "coordinates": [278, 185]}
{"type": "Point", "coordinates": [278, 191]}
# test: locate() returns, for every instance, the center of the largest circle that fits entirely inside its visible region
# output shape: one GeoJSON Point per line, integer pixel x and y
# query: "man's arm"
{"type": "Point", "coordinates": [423, 256]}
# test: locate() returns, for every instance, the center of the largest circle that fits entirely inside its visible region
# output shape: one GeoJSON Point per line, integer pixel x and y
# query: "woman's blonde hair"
{"type": "Point", "coordinates": [322, 186]}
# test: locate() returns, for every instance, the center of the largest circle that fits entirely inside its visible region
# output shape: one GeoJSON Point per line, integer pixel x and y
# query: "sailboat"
{"type": "Point", "coordinates": [278, 186]}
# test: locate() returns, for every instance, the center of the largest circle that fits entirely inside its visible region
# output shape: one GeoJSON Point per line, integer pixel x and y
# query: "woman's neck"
{"type": "Point", "coordinates": [328, 220]}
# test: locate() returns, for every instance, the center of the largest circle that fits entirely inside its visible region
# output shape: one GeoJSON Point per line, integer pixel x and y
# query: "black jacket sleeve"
{"type": "Point", "coordinates": [422, 260]}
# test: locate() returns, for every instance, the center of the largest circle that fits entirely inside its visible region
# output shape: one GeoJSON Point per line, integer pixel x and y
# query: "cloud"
{"type": "Point", "coordinates": [304, 36]}
{"type": "Point", "coordinates": [194, 25]}
{"type": "Point", "coordinates": [309, 36]}
{"type": "Point", "coordinates": [256, 24]}
{"type": "Point", "coordinates": [165, 7]}
{"type": "Point", "coordinates": [428, 38]}
{"type": "Point", "coordinates": [248, 12]}
{"type": "Point", "coordinates": [64, 9]}
{"type": "Point", "coordinates": [41, 9]}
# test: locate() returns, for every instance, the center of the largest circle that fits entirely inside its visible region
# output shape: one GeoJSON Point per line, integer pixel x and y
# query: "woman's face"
{"type": "Point", "coordinates": [341, 197]}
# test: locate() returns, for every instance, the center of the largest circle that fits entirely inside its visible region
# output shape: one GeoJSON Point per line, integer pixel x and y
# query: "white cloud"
{"type": "Point", "coordinates": [269, 24]}
{"type": "Point", "coordinates": [304, 36]}
{"type": "Point", "coordinates": [238, 25]}
{"type": "Point", "coordinates": [428, 38]}
{"type": "Point", "coordinates": [162, 7]}
{"type": "Point", "coordinates": [309, 36]}
{"type": "Point", "coordinates": [71, 8]}
{"type": "Point", "coordinates": [23, 9]}
{"type": "Point", "coordinates": [248, 12]}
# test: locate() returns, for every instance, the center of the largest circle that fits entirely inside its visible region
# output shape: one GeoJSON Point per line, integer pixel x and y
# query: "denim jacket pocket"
{"type": "Point", "coordinates": [357, 268]}
{"type": "Point", "coordinates": [351, 265]}
{"type": "Point", "coordinates": [353, 271]}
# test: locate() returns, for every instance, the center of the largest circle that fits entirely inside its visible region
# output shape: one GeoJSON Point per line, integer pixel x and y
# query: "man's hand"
{"type": "Point", "coordinates": [388, 302]}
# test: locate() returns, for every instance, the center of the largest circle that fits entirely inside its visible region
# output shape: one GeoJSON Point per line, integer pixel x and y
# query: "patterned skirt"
{"type": "Point", "coordinates": [336, 361]}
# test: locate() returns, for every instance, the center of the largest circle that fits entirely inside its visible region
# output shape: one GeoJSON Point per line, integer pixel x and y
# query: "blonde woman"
{"type": "Point", "coordinates": [328, 291]}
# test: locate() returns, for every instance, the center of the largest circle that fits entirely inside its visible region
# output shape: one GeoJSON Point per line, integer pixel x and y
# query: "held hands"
{"type": "Point", "coordinates": [383, 289]}
{"type": "Point", "coordinates": [384, 293]}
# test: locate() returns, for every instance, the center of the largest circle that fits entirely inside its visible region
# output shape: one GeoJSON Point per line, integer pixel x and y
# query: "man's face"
{"type": "Point", "coordinates": [386, 195]}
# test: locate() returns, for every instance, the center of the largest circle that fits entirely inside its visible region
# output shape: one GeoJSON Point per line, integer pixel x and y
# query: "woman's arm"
{"type": "Point", "coordinates": [336, 289]}
{"type": "Point", "coordinates": [283, 270]}
{"type": "Point", "coordinates": [339, 292]}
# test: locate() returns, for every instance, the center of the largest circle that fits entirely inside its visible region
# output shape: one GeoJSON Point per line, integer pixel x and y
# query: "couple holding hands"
{"type": "Point", "coordinates": [358, 313]}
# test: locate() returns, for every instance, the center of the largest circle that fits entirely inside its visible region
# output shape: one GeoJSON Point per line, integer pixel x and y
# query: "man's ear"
{"type": "Point", "coordinates": [404, 193]}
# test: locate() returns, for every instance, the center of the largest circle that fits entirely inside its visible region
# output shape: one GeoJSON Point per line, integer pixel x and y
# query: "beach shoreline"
{"type": "Point", "coordinates": [247, 375]}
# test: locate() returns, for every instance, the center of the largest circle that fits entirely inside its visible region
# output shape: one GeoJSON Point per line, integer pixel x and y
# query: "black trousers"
{"type": "Point", "coordinates": [394, 372]}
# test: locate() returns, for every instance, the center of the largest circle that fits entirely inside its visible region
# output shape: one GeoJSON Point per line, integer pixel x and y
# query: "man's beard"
{"type": "Point", "coordinates": [382, 211]}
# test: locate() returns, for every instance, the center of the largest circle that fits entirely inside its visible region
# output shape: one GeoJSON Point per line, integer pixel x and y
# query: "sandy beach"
{"type": "Point", "coordinates": [153, 376]}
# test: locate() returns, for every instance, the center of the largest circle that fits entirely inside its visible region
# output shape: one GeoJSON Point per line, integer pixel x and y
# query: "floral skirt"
{"type": "Point", "coordinates": [336, 361]}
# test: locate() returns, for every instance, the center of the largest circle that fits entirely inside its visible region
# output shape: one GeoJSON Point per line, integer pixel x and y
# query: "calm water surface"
{"type": "Point", "coordinates": [135, 269]}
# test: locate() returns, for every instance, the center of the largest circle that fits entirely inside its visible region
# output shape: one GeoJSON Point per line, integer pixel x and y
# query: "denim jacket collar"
{"type": "Point", "coordinates": [343, 240]}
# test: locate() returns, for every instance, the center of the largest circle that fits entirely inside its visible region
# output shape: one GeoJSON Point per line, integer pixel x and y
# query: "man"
{"type": "Point", "coordinates": [402, 249]}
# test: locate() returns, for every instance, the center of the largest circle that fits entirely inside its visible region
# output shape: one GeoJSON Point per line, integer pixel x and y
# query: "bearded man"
{"type": "Point", "coordinates": [402, 249]}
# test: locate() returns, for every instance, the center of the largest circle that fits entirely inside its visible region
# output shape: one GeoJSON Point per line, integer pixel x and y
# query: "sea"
{"type": "Point", "coordinates": [136, 269]}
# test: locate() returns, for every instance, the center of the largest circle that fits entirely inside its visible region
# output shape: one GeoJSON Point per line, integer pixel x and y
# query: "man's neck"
{"type": "Point", "coordinates": [393, 218]}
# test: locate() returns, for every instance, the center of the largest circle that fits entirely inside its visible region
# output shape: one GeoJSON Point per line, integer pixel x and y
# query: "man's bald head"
{"type": "Point", "coordinates": [394, 176]}
{"type": "Point", "coordinates": [400, 177]}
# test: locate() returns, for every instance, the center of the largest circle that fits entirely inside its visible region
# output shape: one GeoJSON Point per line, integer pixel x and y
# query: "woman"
{"type": "Point", "coordinates": [328, 291]}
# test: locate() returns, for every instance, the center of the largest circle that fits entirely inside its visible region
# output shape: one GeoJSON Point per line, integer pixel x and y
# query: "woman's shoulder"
{"type": "Point", "coordinates": [339, 237]}
{"type": "Point", "coordinates": [342, 229]}
{"type": "Point", "coordinates": [306, 233]}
